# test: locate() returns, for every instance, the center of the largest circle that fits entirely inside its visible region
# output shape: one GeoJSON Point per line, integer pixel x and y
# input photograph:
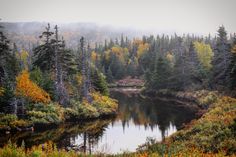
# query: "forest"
{"type": "Point", "coordinates": [49, 83]}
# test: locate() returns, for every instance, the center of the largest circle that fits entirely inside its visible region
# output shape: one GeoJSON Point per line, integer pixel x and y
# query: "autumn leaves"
{"type": "Point", "coordinates": [30, 90]}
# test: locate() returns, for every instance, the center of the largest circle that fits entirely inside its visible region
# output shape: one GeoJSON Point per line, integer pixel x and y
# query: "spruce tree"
{"type": "Point", "coordinates": [160, 75]}
{"type": "Point", "coordinates": [44, 54]}
{"type": "Point", "coordinates": [232, 66]}
{"type": "Point", "coordinates": [98, 82]}
{"type": "Point", "coordinates": [9, 68]}
{"type": "Point", "coordinates": [221, 58]}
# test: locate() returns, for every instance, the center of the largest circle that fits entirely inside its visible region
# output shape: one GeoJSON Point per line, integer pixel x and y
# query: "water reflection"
{"type": "Point", "coordinates": [137, 119]}
{"type": "Point", "coordinates": [150, 113]}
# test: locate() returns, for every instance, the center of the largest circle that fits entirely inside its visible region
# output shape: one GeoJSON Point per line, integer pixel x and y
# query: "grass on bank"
{"type": "Point", "coordinates": [213, 134]}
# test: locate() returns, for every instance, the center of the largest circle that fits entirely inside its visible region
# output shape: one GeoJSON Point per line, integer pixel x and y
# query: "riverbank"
{"type": "Point", "coordinates": [128, 83]}
{"type": "Point", "coordinates": [211, 135]}
{"type": "Point", "coordinates": [135, 116]}
{"type": "Point", "coordinates": [198, 100]}
{"type": "Point", "coordinates": [45, 115]}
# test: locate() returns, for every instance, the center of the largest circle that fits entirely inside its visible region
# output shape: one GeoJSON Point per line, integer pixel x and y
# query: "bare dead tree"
{"type": "Point", "coordinates": [61, 92]}
{"type": "Point", "coordinates": [85, 70]}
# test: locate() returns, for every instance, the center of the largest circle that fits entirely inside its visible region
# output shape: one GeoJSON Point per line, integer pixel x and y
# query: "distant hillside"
{"type": "Point", "coordinates": [26, 34]}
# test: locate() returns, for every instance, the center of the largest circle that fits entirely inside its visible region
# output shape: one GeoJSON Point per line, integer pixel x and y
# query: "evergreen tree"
{"type": "Point", "coordinates": [9, 67]}
{"type": "Point", "coordinates": [44, 54]}
{"type": "Point", "coordinates": [98, 82]}
{"type": "Point", "coordinates": [117, 67]}
{"type": "Point", "coordinates": [85, 71]}
{"type": "Point", "coordinates": [221, 58]}
{"type": "Point", "coordinates": [180, 77]}
{"type": "Point", "coordinates": [193, 66]}
{"type": "Point", "coordinates": [232, 67]}
{"type": "Point", "coordinates": [109, 76]}
{"type": "Point", "coordinates": [160, 75]}
{"type": "Point", "coordinates": [122, 42]}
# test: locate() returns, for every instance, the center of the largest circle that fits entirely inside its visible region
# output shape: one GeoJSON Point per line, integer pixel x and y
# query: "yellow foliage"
{"type": "Point", "coordinates": [1, 91]}
{"type": "Point", "coordinates": [94, 56]}
{"type": "Point", "coordinates": [79, 79]}
{"type": "Point", "coordinates": [23, 57]}
{"type": "Point", "coordinates": [145, 154]}
{"type": "Point", "coordinates": [142, 48]}
{"type": "Point", "coordinates": [204, 53]}
{"type": "Point", "coordinates": [234, 49]}
{"type": "Point", "coordinates": [170, 58]}
{"type": "Point", "coordinates": [107, 55]}
{"type": "Point", "coordinates": [105, 101]}
{"type": "Point", "coordinates": [117, 50]}
{"type": "Point", "coordinates": [27, 88]}
{"type": "Point", "coordinates": [121, 53]}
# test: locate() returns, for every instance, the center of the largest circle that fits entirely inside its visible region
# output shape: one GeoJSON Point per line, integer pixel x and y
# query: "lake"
{"type": "Point", "coordinates": [137, 119]}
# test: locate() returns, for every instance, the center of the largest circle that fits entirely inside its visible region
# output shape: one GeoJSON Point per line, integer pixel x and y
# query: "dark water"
{"type": "Point", "coordinates": [137, 119]}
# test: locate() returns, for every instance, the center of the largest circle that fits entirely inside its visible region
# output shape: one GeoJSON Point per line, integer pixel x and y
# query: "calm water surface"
{"type": "Point", "coordinates": [137, 119]}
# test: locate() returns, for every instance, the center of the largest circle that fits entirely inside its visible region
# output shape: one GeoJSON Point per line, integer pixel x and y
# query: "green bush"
{"type": "Point", "coordinates": [20, 123]}
{"type": "Point", "coordinates": [6, 119]}
{"type": "Point", "coordinates": [70, 113]}
{"type": "Point", "coordinates": [49, 113]}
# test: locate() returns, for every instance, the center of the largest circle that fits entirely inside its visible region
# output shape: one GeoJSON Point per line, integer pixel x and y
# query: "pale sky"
{"type": "Point", "coordinates": [194, 16]}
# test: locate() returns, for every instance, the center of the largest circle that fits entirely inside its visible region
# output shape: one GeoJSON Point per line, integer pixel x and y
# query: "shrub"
{"type": "Point", "coordinates": [50, 113]}
{"type": "Point", "coordinates": [86, 110]}
{"type": "Point", "coordinates": [70, 113]}
{"type": "Point", "coordinates": [6, 119]}
{"type": "Point", "coordinates": [19, 123]}
{"type": "Point", "coordinates": [104, 104]}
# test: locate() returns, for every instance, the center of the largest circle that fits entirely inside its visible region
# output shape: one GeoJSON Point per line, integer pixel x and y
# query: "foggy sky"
{"type": "Point", "coordinates": [194, 16]}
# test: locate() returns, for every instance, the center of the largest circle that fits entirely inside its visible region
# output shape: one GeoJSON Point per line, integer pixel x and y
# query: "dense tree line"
{"type": "Point", "coordinates": [171, 62]}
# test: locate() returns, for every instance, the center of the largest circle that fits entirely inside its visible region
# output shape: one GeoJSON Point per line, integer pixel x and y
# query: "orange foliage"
{"type": "Point", "coordinates": [145, 154]}
{"type": "Point", "coordinates": [234, 49]}
{"type": "Point", "coordinates": [137, 41]}
{"type": "Point", "coordinates": [27, 88]}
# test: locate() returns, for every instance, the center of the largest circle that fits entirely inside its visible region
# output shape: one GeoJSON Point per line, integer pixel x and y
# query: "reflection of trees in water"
{"type": "Point", "coordinates": [150, 113]}
{"type": "Point", "coordinates": [90, 138]}
{"type": "Point", "coordinates": [64, 135]}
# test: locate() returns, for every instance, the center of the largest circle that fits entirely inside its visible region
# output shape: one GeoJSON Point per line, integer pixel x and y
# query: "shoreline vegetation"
{"type": "Point", "coordinates": [53, 114]}
{"type": "Point", "coordinates": [213, 134]}
{"type": "Point", "coordinates": [128, 82]}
